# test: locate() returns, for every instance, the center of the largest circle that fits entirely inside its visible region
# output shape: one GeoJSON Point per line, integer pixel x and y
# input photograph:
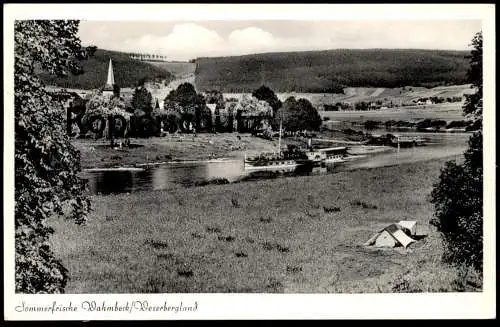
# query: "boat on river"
{"type": "Point", "coordinates": [274, 162]}
{"type": "Point", "coordinates": [337, 155]}
{"type": "Point", "coordinates": [282, 160]}
{"type": "Point", "coordinates": [368, 149]}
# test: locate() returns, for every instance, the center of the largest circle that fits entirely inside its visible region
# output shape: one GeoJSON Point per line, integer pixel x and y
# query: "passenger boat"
{"type": "Point", "coordinates": [272, 162]}
{"type": "Point", "coordinates": [286, 161]}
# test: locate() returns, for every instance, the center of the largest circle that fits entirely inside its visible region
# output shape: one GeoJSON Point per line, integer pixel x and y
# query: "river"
{"type": "Point", "coordinates": [189, 174]}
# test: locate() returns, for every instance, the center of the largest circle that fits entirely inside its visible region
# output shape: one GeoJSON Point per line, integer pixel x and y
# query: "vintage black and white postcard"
{"type": "Point", "coordinates": [249, 161]}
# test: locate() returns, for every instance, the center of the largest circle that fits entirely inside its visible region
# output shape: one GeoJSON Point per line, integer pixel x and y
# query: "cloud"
{"type": "Point", "coordinates": [251, 38]}
{"type": "Point", "coordinates": [190, 40]}
{"type": "Point", "coordinates": [192, 37]}
{"type": "Point", "coordinates": [184, 42]}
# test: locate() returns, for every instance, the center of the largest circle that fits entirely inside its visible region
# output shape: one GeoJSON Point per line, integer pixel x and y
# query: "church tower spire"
{"type": "Point", "coordinates": [110, 82]}
{"type": "Point", "coordinates": [111, 76]}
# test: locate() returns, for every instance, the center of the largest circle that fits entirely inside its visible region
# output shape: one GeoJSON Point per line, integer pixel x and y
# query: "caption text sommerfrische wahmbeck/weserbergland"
{"type": "Point", "coordinates": [103, 306]}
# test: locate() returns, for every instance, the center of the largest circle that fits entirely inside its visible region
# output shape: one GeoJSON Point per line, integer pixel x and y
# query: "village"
{"type": "Point", "coordinates": [152, 110]}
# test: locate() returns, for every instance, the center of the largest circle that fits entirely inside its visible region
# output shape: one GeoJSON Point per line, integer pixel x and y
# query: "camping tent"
{"type": "Point", "coordinates": [394, 235]}
{"type": "Point", "coordinates": [409, 225]}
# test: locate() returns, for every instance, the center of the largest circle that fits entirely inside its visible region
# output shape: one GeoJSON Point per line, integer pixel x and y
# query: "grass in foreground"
{"type": "Point", "coordinates": [293, 235]}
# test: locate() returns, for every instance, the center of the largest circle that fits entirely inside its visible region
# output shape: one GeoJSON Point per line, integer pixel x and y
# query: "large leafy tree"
{"type": "Point", "coordinates": [46, 163]}
{"type": "Point", "coordinates": [298, 115]}
{"type": "Point", "coordinates": [251, 112]}
{"type": "Point", "coordinates": [142, 100]}
{"type": "Point", "coordinates": [458, 195]}
{"type": "Point", "coordinates": [105, 106]}
{"type": "Point", "coordinates": [185, 95]}
{"type": "Point", "coordinates": [251, 106]}
{"type": "Point", "coordinates": [192, 103]}
{"type": "Point", "coordinates": [268, 95]}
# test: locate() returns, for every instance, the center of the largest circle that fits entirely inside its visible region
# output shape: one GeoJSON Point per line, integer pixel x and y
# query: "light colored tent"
{"type": "Point", "coordinates": [392, 235]}
{"type": "Point", "coordinates": [410, 225]}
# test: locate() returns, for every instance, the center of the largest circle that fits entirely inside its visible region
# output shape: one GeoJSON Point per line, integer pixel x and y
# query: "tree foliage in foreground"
{"type": "Point", "coordinates": [458, 195]}
{"type": "Point", "coordinates": [46, 163]}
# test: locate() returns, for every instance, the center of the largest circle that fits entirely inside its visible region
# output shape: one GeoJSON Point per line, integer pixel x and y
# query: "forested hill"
{"type": "Point", "coordinates": [127, 72]}
{"type": "Point", "coordinates": [332, 70]}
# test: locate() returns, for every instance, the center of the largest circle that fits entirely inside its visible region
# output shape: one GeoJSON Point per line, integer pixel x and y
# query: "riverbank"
{"type": "Point", "coordinates": [183, 147]}
{"type": "Point", "coordinates": [98, 154]}
{"type": "Point", "coordinates": [254, 237]}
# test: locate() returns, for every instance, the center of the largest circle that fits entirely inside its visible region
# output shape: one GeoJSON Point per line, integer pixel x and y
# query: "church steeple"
{"type": "Point", "coordinates": [111, 76]}
{"type": "Point", "coordinates": [110, 82]}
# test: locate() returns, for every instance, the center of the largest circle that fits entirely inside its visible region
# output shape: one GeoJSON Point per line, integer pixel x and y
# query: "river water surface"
{"type": "Point", "coordinates": [171, 175]}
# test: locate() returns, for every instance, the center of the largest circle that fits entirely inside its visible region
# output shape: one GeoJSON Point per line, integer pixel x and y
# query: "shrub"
{"type": "Point", "coordinates": [458, 124]}
{"type": "Point", "coordinates": [457, 198]}
{"type": "Point", "coordinates": [185, 273]}
{"type": "Point", "coordinates": [213, 230]}
{"type": "Point", "coordinates": [214, 181]}
{"type": "Point", "coordinates": [156, 244]}
{"type": "Point", "coordinates": [458, 195]}
{"type": "Point", "coordinates": [331, 209]}
{"type": "Point", "coordinates": [235, 203]}
{"type": "Point", "coordinates": [241, 254]}
{"type": "Point", "coordinates": [265, 220]}
{"type": "Point", "coordinates": [363, 204]}
{"type": "Point", "coordinates": [293, 269]}
{"type": "Point", "coordinates": [371, 124]}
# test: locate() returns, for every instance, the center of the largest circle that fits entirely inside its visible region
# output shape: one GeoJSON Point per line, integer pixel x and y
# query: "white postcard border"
{"type": "Point", "coordinates": [259, 306]}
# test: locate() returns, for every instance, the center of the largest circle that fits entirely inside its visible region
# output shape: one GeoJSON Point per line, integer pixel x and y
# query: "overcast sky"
{"type": "Point", "coordinates": [183, 40]}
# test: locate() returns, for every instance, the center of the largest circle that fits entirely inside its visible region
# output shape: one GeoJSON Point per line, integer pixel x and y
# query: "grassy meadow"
{"type": "Point", "coordinates": [290, 235]}
{"type": "Point", "coordinates": [177, 68]}
{"type": "Point", "coordinates": [398, 96]}
{"type": "Point", "coordinates": [447, 112]}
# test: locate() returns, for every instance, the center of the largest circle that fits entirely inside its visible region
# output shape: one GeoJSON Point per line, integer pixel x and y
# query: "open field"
{"type": "Point", "coordinates": [254, 237]}
{"type": "Point", "coordinates": [95, 153]}
{"type": "Point", "coordinates": [397, 96]}
{"type": "Point", "coordinates": [445, 111]}
{"type": "Point", "coordinates": [177, 68]}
